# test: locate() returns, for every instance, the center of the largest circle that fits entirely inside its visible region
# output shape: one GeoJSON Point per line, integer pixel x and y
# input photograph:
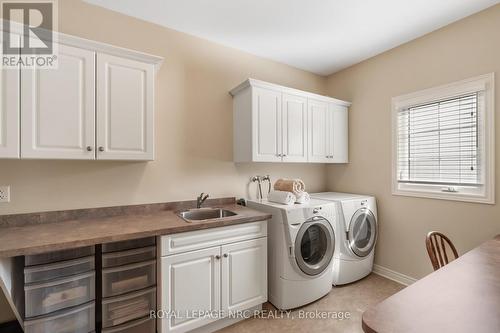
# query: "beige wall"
{"type": "Point", "coordinates": [193, 126]}
{"type": "Point", "coordinates": [465, 49]}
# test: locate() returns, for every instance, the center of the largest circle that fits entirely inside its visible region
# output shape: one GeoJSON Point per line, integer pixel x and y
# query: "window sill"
{"type": "Point", "coordinates": [453, 196]}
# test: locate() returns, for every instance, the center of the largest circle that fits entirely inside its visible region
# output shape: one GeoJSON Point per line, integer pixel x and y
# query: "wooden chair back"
{"type": "Point", "coordinates": [438, 246]}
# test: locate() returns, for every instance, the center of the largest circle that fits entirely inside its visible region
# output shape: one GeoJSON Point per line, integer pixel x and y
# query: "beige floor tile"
{"type": "Point", "coordinates": [354, 298]}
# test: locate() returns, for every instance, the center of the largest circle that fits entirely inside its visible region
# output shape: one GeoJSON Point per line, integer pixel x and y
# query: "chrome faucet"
{"type": "Point", "coordinates": [201, 199]}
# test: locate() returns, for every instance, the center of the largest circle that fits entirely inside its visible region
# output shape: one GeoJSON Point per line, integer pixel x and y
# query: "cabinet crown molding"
{"type": "Point", "coordinates": [83, 43]}
{"type": "Point", "coordinates": [262, 84]}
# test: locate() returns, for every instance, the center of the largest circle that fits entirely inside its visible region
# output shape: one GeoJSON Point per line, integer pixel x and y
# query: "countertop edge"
{"type": "Point", "coordinates": [188, 227]}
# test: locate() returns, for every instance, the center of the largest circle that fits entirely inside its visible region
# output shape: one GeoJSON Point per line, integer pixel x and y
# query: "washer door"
{"type": "Point", "coordinates": [362, 233]}
{"type": "Point", "coordinates": [314, 246]}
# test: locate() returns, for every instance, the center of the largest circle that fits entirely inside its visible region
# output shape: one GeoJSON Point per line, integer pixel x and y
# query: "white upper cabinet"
{"type": "Point", "coordinates": [97, 103]}
{"type": "Point", "coordinates": [125, 109]}
{"type": "Point", "coordinates": [9, 113]}
{"type": "Point", "coordinates": [338, 140]}
{"type": "Point", "coordinates": [272, 123]}
{"type": "Point", "coordinates": [267, 126]}
{"type": "Point", "coordinates": [319, 131]}
{"type": "Point", "coordinates": [294, 128]}
{"type": "Point", "coordinates": [58, 108]}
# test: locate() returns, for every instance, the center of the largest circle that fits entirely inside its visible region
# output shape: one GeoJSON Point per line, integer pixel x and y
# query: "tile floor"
{"type": "Point", "coordinates": [354, 298]}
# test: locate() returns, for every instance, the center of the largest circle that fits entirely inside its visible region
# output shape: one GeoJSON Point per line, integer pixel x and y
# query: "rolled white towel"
{"type": "Point", "coordinates": [303, 198]}
{"type": "Point", "coordinates": [282, 197]}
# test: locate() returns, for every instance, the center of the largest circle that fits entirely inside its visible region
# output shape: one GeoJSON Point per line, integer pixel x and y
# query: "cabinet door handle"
{"type": "Point", "coordinates": [226, 255]}
{"type": "Point", "coordinates": [101, 149]}
{"type": "Point", "coordinates": [89, 148]}
{"type": "Point", "coordinates": [217, 257]}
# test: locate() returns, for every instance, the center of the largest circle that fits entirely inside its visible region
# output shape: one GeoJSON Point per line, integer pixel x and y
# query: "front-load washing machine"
{"type": "Point", "coordinates": [301, 244]}
{"type": "Point", "coordinates": [357, 235]}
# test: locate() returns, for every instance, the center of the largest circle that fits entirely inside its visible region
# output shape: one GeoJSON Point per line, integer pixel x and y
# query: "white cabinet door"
{"type": "Point", "coordinates": [338, 134]}
{"type": "Point", "coordinates": [58, 108]}
{"type": "Point", "coordinates": [266, 125]}
{"type": "Point", "coordinates": [125, 109]}
{"type": "Point", "coordinates": [244, 274]}
{"type": "Point", "coordinates": [294, 128]}
{"type": "Point", "coordinates": [9, 113]}
{"type": "Point", "coordinates": [190, 282]}
{"type": "Point", "coordinates": [318, 131]}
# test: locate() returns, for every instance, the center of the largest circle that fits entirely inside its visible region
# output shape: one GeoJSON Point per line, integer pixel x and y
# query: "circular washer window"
{"type": "Point", "coordinates": [314, 246]}
{"type": "Point", "coordinates": [362, 233]}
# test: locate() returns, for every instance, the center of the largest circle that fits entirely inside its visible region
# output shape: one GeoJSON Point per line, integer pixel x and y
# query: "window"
{"type": "Point", "coordinates": [443, 142]}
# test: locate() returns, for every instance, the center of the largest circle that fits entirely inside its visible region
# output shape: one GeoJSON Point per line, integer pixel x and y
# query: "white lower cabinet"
{"type": "Point", "coordinates": [201, 286]}
{"type": "Point", "coordinates": [191, 282]}
{"type": "Point", "coordinates": [244, 274]}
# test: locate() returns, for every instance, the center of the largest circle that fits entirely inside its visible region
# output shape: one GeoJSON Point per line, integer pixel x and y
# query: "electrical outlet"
{"type": "Point", "coordinates": [4, 194]}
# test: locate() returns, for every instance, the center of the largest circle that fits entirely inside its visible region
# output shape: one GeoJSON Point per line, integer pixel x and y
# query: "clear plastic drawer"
{"type": "Point", "coordinates": [122, 309]}
{"type": "Point", "coordinates": [50, 257]}
{"type": "Point", "coordinates": [43, 298]}
{"type": "Point", "coordinates": [114, 259]}
{"type": "Point", "coordinates": [128, 244]}
{"type": "Point", "coordinates": [124, 279]}
{"type": "Point", "coordinates": [146, 325]}
{"type": "Point", "coordinates": [58, 270]}
{"type": "Point", "coordinates": [75, 320]}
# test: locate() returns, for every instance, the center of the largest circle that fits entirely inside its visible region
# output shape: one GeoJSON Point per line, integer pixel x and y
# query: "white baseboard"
{"type": "Point", "coordinates": [393, 275]}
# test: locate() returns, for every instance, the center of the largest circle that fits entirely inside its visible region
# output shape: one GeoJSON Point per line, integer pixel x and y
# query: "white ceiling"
{"type": "Point", "coordinates": [320, 36]}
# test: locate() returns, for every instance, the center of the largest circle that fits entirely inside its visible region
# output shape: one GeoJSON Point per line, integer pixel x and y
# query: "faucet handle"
{"type": "Point", "coordinates": [201, 199]}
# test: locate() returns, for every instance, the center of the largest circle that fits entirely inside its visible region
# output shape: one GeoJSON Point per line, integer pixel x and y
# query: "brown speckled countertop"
{"type": "Point", "coordinates": [36, 233]}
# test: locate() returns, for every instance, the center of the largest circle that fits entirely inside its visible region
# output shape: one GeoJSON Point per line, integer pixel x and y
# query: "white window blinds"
{"type": "Point", "coordinates": [438, 142]}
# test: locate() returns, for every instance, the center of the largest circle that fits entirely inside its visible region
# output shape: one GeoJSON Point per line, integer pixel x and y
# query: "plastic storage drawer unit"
{"type": "Point", "coordinates": [114, 259]}
{"type": "Point", "coordinates": [146, 325]}
{"type": "Point", "coordinates": [58, 270]}
{"type": "Point", "coordinates": [59, 294]}
{"type": "Point", "coordinates": [75, 320]}
{"type": "Point", "coordinates": [50, 257]}
{"type": "Point", "coordinates": [121, 309]}
{"type": "Point", "coordinates": [124, 279]}
{"type": "Point", "coordinates": [128, 244]}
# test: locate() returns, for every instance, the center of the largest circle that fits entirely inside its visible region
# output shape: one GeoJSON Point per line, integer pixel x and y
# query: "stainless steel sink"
{"type": "Point", "coordinates": [202, 214]}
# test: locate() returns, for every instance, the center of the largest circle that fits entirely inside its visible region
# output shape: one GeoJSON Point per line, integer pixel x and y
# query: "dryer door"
{"type": "Point", "coordinates": [362, 233]}
{"type": "Point", "coordinates": [314, 246]}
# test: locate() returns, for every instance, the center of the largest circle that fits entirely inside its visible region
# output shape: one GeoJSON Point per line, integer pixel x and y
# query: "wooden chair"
{"type": "Point", "coordinates": [438, 246]}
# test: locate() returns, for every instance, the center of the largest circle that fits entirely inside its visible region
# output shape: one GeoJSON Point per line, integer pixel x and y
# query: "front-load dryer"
{"type": "Point", "coordinates": [301, 245]}
{"type": "Point", "coordinates": [357, 235]}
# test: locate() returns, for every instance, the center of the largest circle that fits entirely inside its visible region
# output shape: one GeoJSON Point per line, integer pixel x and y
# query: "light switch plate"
{"type": "Point", "coordinates": [4, 194]}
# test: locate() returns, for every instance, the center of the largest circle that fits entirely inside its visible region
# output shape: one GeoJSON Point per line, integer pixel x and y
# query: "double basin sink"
{"type": "Point", "coordinates": [204, 214]}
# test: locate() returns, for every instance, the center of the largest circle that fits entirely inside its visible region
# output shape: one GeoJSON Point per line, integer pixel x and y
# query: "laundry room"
{"type": "Point", "coordinates": [239, 166]}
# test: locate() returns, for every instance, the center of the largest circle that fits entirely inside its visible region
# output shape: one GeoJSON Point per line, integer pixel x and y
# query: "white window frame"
{"type": "Point", "coordinates": [486, 130]}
